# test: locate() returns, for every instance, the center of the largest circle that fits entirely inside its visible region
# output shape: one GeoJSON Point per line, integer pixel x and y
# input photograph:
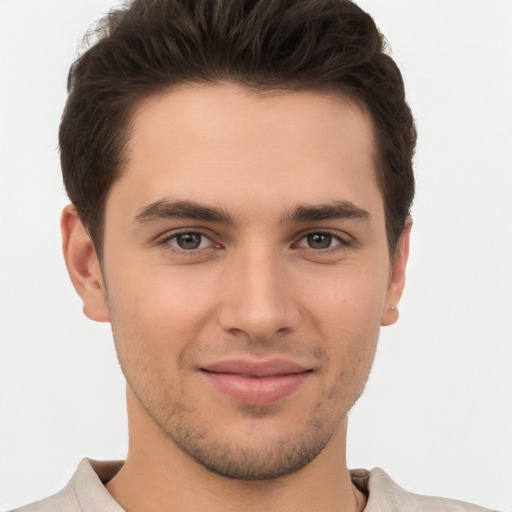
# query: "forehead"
{"type": "Point", "coordinates": [219, 143]}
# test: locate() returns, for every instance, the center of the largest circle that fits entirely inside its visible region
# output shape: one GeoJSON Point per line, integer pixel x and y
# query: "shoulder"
{"type": "Point", "coordinates": [384, 495]}
{"type": "Point", "coordinates": [85, 492]}
{"type": "Point", "coordinates": [64, 501]}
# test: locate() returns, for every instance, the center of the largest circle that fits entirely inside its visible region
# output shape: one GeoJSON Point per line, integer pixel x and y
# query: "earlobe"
{"type": "Point", "coordinates": [83, 265]}
{"type": "Point", "coordinates": [397, 278]}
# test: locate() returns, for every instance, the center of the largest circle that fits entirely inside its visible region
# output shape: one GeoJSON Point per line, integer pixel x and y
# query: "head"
{"type": "Point", "coordinates": [243, 169]}
{"type": "Point", "coordinates": [151, 47]}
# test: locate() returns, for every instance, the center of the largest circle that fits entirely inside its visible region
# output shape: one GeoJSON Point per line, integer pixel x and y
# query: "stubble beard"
{"type": "Point", "coordinates": [251, 455]}
{"type": "Point", "coordinates": [236, 458]}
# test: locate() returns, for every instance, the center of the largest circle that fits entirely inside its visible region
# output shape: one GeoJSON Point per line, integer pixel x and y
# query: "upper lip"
{"type": "Point", "coordinates": [260, 368]}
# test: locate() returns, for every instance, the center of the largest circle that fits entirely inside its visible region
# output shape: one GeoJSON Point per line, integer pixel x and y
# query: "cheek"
{"type": "Point", "coordinates": [159, 300]}
{"type": "Point", "coordinates": [156, 319]}
{"type": "Point", "coordinates": [351, 300]}
{"type": "Point", "coordinates": [347, 319]}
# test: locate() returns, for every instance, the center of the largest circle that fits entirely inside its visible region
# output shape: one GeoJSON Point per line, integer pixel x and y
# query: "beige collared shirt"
{"type": "Point", "coordinates": [86, 493]}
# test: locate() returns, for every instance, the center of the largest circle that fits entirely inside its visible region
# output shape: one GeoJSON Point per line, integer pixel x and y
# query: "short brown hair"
{"type": "Point", "coordinates": [150, 46]}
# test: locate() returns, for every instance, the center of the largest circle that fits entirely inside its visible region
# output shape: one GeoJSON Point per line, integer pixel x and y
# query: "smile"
{"type": "Point", "coordinates": [256, 383]}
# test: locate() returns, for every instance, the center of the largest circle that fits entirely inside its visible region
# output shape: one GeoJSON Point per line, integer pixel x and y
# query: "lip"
{"type": "Point", "coordinates": [256, 382]}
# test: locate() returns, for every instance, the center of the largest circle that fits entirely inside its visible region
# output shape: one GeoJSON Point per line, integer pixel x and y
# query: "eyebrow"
{"type": "Point", "coordinates": [334, 210]}
{"type": "Point", "coordinates": [165, 209]}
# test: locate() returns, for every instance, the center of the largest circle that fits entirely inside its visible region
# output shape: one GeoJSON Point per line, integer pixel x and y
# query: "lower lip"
{"type": "Point", "coordinates": [256, 390]}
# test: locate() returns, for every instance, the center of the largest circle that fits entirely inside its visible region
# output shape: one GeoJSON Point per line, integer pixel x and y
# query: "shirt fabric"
{"type": "Point", "coordinates": [86, 493]}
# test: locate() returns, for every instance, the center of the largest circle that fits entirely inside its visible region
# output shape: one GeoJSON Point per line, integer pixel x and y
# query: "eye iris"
{"type": "Point", "coordinates": [319, 241]}
{"type": "Point", "coordinates": [189, 240]}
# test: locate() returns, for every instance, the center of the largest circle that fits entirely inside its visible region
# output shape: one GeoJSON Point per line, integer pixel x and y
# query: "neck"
{"type": "Point", "coordinates": [157, 476]}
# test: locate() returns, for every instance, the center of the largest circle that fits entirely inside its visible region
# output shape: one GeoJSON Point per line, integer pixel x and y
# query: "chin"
{"type": "Point", "coordinates": [235, 461]}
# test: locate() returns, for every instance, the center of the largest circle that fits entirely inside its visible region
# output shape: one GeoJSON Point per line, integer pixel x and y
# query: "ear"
{"type": "Point", "coordinates": [397, 277]}
{"type": "Point", "coordinates": [83, 265]}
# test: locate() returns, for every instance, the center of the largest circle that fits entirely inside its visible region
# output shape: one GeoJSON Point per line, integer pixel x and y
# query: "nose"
{"type": "Point", "coordinates": [257, 297]}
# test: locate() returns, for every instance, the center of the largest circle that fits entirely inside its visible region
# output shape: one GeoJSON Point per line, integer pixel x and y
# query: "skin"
{"type": "Point", "coordinates": [268, 280]}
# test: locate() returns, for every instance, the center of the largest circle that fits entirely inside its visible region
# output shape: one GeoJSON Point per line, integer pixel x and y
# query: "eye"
{"type": "Point", "coordinates": [319, 241]}
{"type": "Point", "coordinates": [189, 241]}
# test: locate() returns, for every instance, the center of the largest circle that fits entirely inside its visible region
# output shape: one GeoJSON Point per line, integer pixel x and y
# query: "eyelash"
{"type": "Point", "coordinates": [164, 243]}
{"type": "Point", "coordinates": [342, 242]}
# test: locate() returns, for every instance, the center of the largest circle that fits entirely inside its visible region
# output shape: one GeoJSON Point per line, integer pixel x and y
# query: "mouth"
{"type": "Point", "coordinates": [256, 382]}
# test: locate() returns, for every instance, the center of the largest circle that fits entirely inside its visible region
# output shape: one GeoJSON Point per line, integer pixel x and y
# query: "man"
{"type": "Point", "coordinates": [241, 179]}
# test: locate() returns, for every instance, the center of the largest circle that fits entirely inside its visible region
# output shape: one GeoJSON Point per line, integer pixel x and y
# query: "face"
{"type": "Point", "coordinates": [247, 272]}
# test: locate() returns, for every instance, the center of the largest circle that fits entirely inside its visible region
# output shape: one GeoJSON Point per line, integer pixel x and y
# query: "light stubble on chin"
{"type": "Point", "coordinates": [237, 459]}
{"type": "Point", "coordinates": [250, 457]}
